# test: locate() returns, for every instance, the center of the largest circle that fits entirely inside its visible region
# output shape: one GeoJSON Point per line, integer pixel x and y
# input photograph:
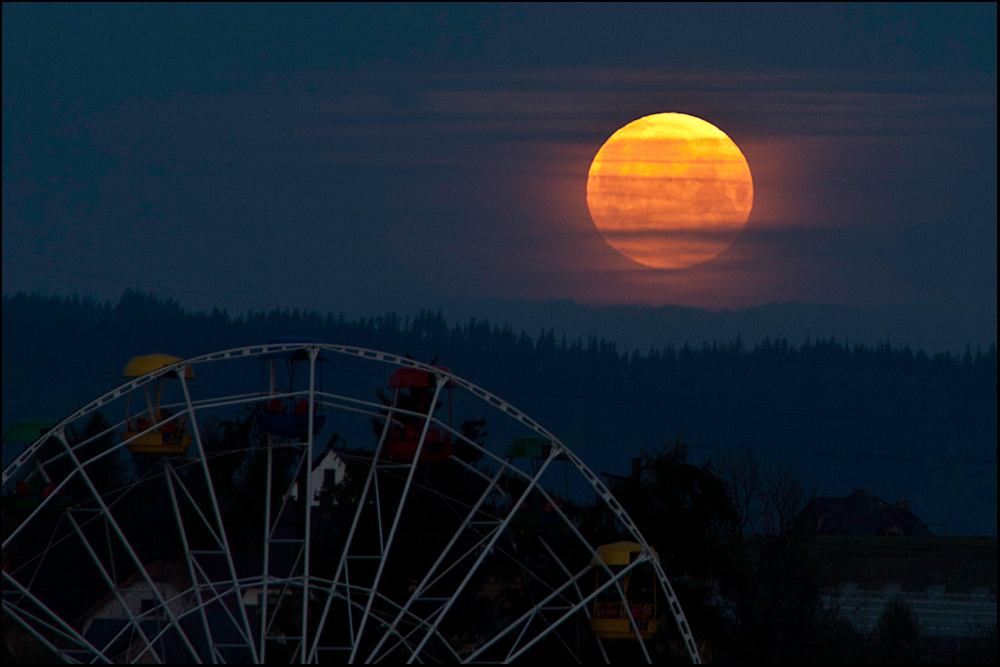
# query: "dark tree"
{"type": "Point", "coordinates": [897, 635]}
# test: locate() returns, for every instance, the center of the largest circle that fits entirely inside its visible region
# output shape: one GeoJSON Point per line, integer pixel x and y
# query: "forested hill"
{"type": "Point", "coordinates": [900, 422]}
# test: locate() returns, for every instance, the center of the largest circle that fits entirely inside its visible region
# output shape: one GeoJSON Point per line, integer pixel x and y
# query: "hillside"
{"type": "Point", "coordinates": [898, 421]}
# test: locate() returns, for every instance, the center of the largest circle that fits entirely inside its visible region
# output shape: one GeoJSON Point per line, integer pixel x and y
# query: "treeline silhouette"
{"type": "Point", "coordinates": [905, 423]}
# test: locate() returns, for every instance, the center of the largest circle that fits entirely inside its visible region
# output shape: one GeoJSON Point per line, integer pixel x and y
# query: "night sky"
{"type": "Point", "coordinates": [367, 158]}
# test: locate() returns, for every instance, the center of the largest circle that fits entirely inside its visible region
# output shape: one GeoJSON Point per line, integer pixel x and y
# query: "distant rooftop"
{"type": "Point", "coordinates": [862, 513]}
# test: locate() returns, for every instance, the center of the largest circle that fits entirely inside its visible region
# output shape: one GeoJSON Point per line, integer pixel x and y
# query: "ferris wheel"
{"type": "Point", "coordinates": [276, 503]}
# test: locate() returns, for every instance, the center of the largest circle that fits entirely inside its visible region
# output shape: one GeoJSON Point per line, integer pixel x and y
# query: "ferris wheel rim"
{"type": "Point", "coordinates": [178, 369]}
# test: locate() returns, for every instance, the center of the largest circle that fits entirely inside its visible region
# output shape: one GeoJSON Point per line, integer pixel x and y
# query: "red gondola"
{"type": "Point", "coordinates": [403, 438]}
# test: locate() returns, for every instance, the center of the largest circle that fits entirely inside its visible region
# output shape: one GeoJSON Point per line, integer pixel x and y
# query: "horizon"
{"type": "Point", "coordinates": [390, 158]}
{"type": "Point", "coordinates": [694, 326]}
{"type": "Point", "coordinates": [840, 414]}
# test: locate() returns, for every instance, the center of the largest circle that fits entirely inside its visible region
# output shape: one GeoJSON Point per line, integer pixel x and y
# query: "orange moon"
{"type": "Point", "coordinates": [669, 190]}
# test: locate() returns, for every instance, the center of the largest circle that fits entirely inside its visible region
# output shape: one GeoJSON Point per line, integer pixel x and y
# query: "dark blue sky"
{"type": "Point", "coordinates": [372, 157]}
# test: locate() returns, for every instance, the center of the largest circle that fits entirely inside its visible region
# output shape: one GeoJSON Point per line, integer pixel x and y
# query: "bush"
{"type": "Point", "coordinates": [897, 634]}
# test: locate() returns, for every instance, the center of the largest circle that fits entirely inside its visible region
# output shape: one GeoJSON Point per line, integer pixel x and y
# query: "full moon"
{"type": "Point", "coordinates": [669, 190]}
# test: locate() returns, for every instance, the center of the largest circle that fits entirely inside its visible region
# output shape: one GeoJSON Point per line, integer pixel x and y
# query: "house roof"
{"type": "Point", "coordinates": [322, 461]}
{"type": "Point", "coordinates": [863, 513]}
{"type": "Point", "coordinates": [159, 571]}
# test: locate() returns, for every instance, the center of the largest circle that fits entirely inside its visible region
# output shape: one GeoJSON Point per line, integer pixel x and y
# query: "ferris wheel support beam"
{"type": "Point", "coordinates": [113, 585]}
{"type": "Point", "coordinates": [190, 561]}
{"type": "Point", "coordinates": [382, 612]}
{"type": "Point", "coordinates": [265, 579]}
{"type": "Point", "coordinates": [496, 535]}
{"type": "Point", "coordinates": [287, 582]}
{"type": "Point", "coordinates": [342, 567]}
{"type": "Point", "coordinates": [215, 508]}
{"type": "Point", "coordinates": [423, 585]}
{"type": "Point", "coordinates": [614, 581]}
{"type": "Point", "coordinates": [675, 608]}
{"type": "Point", "coordinates": [307, 502]}
{"type": "Point", "coordinates": [395, 520]}
{"type": "Point", "coordinates": [579, 593]}
{"type": "Point", "coordinates": [61, 437]}
{"type": "Point", "coordinates": [17, 614]}
{"type": "Point", "coordinates": [574, 581]}
{"type": "Point", "coordinates": [61, 627]}
{"type": "Point", "coordinates": [195, 568]}
{"type": "Point", "coordinates": [42, 505]}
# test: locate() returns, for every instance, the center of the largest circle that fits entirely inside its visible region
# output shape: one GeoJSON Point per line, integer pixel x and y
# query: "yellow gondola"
{"type": "Point", "coordinates": [154, 430]}
{"type": "Point", "coordinates": [610, 619]}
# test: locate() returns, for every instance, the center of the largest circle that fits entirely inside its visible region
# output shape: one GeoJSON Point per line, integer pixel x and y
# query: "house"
{"type": "Point", "coordinates": [124, 632]}
{"type": "Point", "coordinates": [172, 582]}
{"type": "Point", "coordinates": [862, 513]}
{"type": "Point", "coordinates": [327, 472]}
{"type": "Point", "coordinates": [117, 629]}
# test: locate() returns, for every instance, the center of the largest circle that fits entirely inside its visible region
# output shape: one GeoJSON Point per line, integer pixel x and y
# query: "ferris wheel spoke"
{"type": "Point", "coordinates": [426, 582]}
{"type": "Point", "coordinates": [113, 585]}
{"type": "Point", "coordinates": [395, 521]}
{"type": "Point", "coordinates": [223, 540]}
{"type": "Point", "coordinates": [417, 621]}
{"type": "Point", "coordinates": [290, 580]}
{"type": "Point", "coordinates": [28, 621]}
{"type": "Point", "coordinates": [307, 503]}
{"type": "Point", "coordinates": [483, 546]}
{"type": "Point", "coordinates": [497, 532]}
{"type": "Point", "coordinates": [60, 436]}
{"type": "Point", "coordinates": [615, 581]}
{"type": "Point", "coordinates": [343, 564]}
{"type": "Point", "coordinates": [573, 581]}
{"type": "Point", "coordinates": [265, 584]}
{"type": "Point", "coordinates": [190, 560]}
{"type": "Point", "coordinates": [58, 625]}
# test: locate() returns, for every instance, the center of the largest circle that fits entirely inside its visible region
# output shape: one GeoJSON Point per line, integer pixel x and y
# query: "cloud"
{"type": "Point", "coordinates": [475, 184]}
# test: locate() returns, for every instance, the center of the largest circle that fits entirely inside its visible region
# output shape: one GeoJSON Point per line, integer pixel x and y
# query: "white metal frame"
{"type": "Point", "coordinates": [380, 625]}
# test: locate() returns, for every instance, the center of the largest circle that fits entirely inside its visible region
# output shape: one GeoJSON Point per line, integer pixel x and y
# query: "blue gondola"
{"type": "Point", "coordinates": [288, 417]}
